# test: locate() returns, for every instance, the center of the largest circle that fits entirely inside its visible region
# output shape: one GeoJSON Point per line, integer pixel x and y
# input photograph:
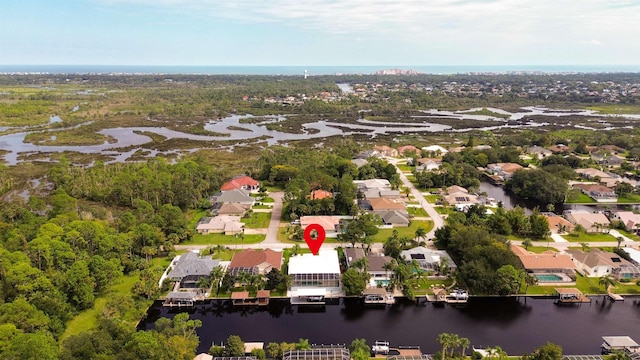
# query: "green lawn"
{"type": "Point", "coordinates": [631, 236]}
{"type": "Point", "coordinates": [409, 231]}
{"type": "Point", "coordinates": [432, 199]}
{"type": "Point", "coordinates": [405, 168]}
{"type": "Point", "coordinates": [417, 211]}
{"type": "Point", "coordinates": [257, 220]}
{"type": "Point", "coordinates": [580, 199]}
{"type": "Point", "coordinates": [283, 236]}
{"type": "Point", "coordinates": [215, 239]}
{"type": "Point", "coordinates": [267, 200]}
{"type": "Point", "coordinates": [541, 249]}
{"type": "Point", "coordinates": [88, 319]}
{"type": "Point", "coordinates": [195, 215]}
{"type": "Point", "coordinates": [262, 206]}
{"type": "Point", "coordinates": [584, 237]}
{"type": "Point", "coordinates": [629, 198]}
{"type": "Point", "coordinates": [425, 285]}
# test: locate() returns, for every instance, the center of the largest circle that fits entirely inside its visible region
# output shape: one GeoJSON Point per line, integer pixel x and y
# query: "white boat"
{"type": "Point", "coordinates": [380, 347]}
{"type": "Point", "coordinates": [459, 294]}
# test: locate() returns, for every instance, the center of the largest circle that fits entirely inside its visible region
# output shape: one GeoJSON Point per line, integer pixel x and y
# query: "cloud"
{"type": "Point", "coordinates": [591, 42]}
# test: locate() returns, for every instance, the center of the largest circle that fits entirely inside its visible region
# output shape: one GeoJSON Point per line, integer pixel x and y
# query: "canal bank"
{"type": "Point", "coordinates": [517, 324]}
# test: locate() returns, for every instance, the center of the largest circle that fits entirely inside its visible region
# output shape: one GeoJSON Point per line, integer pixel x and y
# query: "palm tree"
{"type": "Point", "coordinates": [464, 344]}
{"type": "Point", "coordinates": [607, 281]}
{"type": "Point", "coordinates": [584, 246]}
{"type": "Point", "coordinates": [454, 343]}
{"type": "Point", "coordinates": [528, 281]}
{"type": "Point", "coordinates": [619, 239]}
{"type": "Point", "coordinates": [526, 243]}
{"type": "Point", "coordinates": [445, 340]}
{"type": "Point", "coordinates": [421, 233]}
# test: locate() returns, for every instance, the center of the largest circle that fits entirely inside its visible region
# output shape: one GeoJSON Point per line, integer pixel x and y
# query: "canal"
{"type": "Point", "coordinates": [518, 326]}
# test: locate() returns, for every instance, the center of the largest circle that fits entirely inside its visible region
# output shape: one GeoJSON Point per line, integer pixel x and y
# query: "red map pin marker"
{"type": "Point", "coordinates": [314, 244]}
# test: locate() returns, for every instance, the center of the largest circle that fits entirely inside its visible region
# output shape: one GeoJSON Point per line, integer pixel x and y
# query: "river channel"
{"type": "Point", "coordinates": [518, 326]}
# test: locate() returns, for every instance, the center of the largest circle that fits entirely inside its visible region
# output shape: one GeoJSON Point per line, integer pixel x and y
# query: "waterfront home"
{"type": "Point", "coordinates": [314, 277]}
{"type": "Point", "coordinates": [597, 263]}
{"type": "Point", "coordinates": [503, 171]}
{"type": "Point", "coordinates": [455, 189]}
{"type": "Point", "coordinates": [620, 343]}
{"type": "Point", "coordinates": [333, 352]}
{"type": "Point", "coordinates": [427, 259]}
{"type": "Point", "coordinates": [190, 267]}
{"type": "Point", "coordinates": [181, 298]}
{"type": "Point", "coordinates": [558, 224]}
{"type": "Point", "coordinates": [386, 151]}
{"type": "Point", "coordinates": [255, 261]}
{"type": "Point", "coordinates": [630, 220]}
{"type": "Point", "coordinates": [593, 174]}
{"type": "Point", "coordinates": [547, 263]}
{"type": "Point", "coordinates": [461, 200]}
{"type": "Point", "coordinates": [330, 224]}
{"type": "Point", "coordinates": [599, 193]}
{"type": "Point", "coordinates": [225, 224]}
{"type": "Point", "coordinates": [239, 196]}
{"type": "Point", "coordinates": [375, 264]}
{"type": "Point", "coordinates": [591, 222]}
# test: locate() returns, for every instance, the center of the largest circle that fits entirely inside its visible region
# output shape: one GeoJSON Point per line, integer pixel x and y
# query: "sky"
{"type": "Point", "coordinates": [320, 32]}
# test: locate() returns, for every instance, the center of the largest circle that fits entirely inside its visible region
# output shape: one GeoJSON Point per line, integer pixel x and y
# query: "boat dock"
{"type": "Point", "coordinates": [242, 298]}
{"type": "Point", "coordinates": [615, 297]}
{"type": "Point", "coordinates": [378, 296]}
{"type": "Point", "coordinates": [571, 296]}
{"type": "Point", "coordinates": [440, 295]}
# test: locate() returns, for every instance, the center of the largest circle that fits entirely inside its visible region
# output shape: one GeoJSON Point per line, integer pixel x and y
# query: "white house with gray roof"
{"type": "Point", "coordinates": [428, 259]}
{"type": "Point", "coordinates": [190, 268]}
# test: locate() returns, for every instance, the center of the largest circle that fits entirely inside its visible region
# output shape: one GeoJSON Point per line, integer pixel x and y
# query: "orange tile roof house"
{"type": "Point", "coordinates": [386, 151]}
{"type": "Point", "coordinates": [320, 194]}
{"type": "Point", "coordinates": [559, 225]}
{"type": "Point", "coordinates": [408, 148]}
{"type": "Point", "coordinates": [255, 261]}
{"type": "Point", "coordinates": [547, 262]}
{"type": "Point", "coordinates": [241, 182]}
{"type": "Point", "coordinates": [384, 205]}
{"type": "Point", "coordinates": [329, 223]}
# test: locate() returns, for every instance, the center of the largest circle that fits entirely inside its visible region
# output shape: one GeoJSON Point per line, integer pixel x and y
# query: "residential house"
{"type": "Point", "coordinates": [455, 188]}
{"type": "Point", "coordinates": [404, 150]}
{"type": "Point", "coordinates": [255, 261]}
{"type": "Point", "coordinates": [539, 151]}
{"type": "Point", "coordinates": [314, 276]}
{"type": "Point", "coordinates": [593, 174]}
{"type": "Point", "coordinates": [320, 194]}
{"type": "Point", "coordinates": [230, 209]}
{"type": "Point", "coordinates": [369, 184]}
{"type": "Point", "coordinates": [546, 262]}
{"type": "Point", "coordinates": [428, 164]}
{"type": "Point", "coordinates": [503, 171]}
{"type": "Point", "coordinates": [597, 192]}
{"type": "Point", "coordinates": [436, 149]}
{"type": "Point", "coordinates": [367, 154]}
{"type": "Point", "coordinates": [591, 222]}
{"type": "Point", "coordinates": [559, 148]}
{"type": "Point", "coordinates": [598, 263]}
{"type": "Point", "coordinates": [630, 220]}
{"type": "Point", "coordinates": [190, 268]}
{"type": "Point", "coordinates": [460, 199]}
{"type": "Point", "coordinates": [381, 206]}
{"type": "Point", "coordinates": [238, 196]}
{"type": "Point", "coordinates": [559, 225]}
{"type": "Point", "coordinates": [395, 218]}
{"type": "Point", "coordinates": [376, 264]}
{"type": "Point", "coordinates": [228, 225]}
{"type": "Point", "coordinates": [427, 259]}
{"type": "Point", "coordinates": [386, 151]}
{"type": "Point", "coordinates": [359, 162]}
{"type": "Point", "coordinates": [333, 352]}
{"type": "Point", "coordinates": [330, 224]}
{"type": "Point", "coordinates": [241, 182]}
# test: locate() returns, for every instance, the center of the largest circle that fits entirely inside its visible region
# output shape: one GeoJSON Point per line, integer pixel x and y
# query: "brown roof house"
{"type": "Point", "coordinates": [407, 149]}
{"type": "Point", "coordinates": [381, 206]}
{"type": "Point", "coordinates": [591, 222]}
{"type": "Point", "coordinates": [375, 264]}
{"type": "Point", "coordinates": [255, 261]}
{"type": "Point", "coordinates": [559, 225]}
{"type": "Point", "coordinates": [547, 262]}
{"type": "Point", "coordinates": [503, 171]}
{"type": "Point", "coordinates": [320, 194]}
{"type": "Point", "coordinates": [330, 224]}
{"type": "Point", "coordinates": [386, 151]}
{"type": "Point", "coordinates": [225, 224]}
{"type": "Point", "coordinates": [598, 193]}
{"type": "Point", "coordinates": [597, 263]}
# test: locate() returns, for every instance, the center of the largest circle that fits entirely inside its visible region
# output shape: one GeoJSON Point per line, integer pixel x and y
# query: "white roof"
{"type": "Point", "coordinates": [435, 148]}
{"type": "Point", "coordinates": [617, 341]}
{"type": "Point", "coordinates": [326, 262]}
{"type": "Point", "coordinates": [633, 254]}
{"type": "Point", "coordinates": [308, 292]}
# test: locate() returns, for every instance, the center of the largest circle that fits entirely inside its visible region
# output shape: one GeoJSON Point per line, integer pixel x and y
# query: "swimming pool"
{"type": "Point", "coordinates": [548, 277]}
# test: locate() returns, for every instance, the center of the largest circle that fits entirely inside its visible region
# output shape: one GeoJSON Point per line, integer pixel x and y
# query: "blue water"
{"type": "Point", "coordinates": [312, 70]}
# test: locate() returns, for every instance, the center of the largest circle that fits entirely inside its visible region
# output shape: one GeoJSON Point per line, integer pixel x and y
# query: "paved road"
{"type": "Point", "coordinates": [437, 219]}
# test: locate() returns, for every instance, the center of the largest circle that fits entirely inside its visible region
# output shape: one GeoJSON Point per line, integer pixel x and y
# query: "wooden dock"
{"type": "Point", "coordinates": [615, 297]}
{"type": "Point", "coordinates": [571, 296]}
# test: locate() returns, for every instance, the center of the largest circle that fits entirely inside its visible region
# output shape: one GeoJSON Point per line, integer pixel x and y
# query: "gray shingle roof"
{"type": "Point", "coordinates": [192, 264]}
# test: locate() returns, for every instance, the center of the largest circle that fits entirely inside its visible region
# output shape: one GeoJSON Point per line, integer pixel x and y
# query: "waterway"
{"type": "Point", "coordinates": [518, 326]}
